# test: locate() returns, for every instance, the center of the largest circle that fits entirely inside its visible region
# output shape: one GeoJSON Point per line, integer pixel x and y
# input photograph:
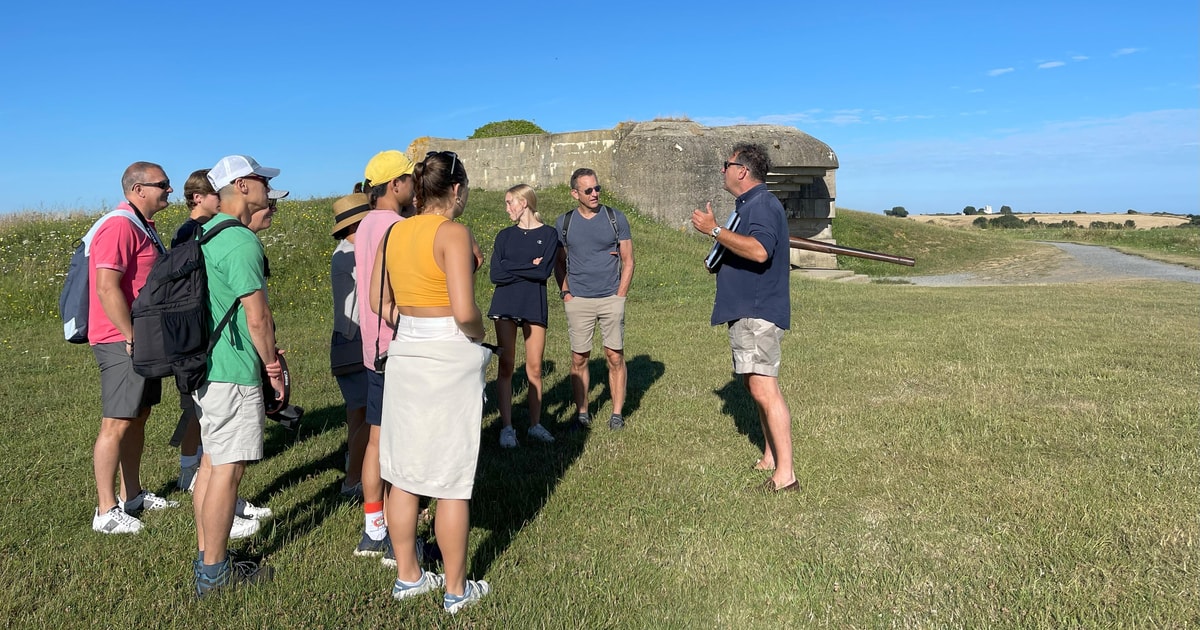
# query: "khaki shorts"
{"type": "Point", "coordinates": [582, 315]}
{"type": "Point", "coordinates": [123, 392]}
{"type": "Point", "coordinates": [756, 345]}
{"type": "Point", "coordinates": [232, 418]}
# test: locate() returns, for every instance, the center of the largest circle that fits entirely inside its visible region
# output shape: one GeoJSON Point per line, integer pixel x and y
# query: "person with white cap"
{"type": "Point", "coordinates": [230, 404]}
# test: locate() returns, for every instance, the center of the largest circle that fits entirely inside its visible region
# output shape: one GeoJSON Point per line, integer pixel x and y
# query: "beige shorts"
{"type": "Point", "coordinates": [756, 345]}
{"type": "Point", "coordinates": [582, 315]}
{"type": "Point", "coordinates": [232, 418]}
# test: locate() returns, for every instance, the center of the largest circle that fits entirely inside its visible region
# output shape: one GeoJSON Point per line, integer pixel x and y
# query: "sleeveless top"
{"type": "Point", "coordinates": [415, 277]}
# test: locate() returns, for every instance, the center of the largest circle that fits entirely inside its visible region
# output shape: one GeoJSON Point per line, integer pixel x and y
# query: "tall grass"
{"type": "Point", "coordinates": [970, 457]}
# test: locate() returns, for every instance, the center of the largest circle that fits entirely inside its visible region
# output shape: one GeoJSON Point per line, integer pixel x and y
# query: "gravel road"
{"type": "Point", "coordinates": [1081, 263]}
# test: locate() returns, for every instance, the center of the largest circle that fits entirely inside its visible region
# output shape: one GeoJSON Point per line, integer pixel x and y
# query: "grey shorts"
{"type": "Point", "coordinates": [354, 389]}
{"type": "Point", "coordinates": [232, 418]}
{"type": "Point", "coordinates": [582, 316]}
{"type": "Point", "coordinates": [756, 345]}
{"type": "Point", "coordinates": [123, 392]}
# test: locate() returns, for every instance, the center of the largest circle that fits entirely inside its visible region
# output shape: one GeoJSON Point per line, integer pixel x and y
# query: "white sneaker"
{"type": "Point", "coordinates": [474, 592]}
{"type": "Point", "coordinates": [243, 527]}
{"type": "Point", "coordinates": [246, 509]}
{"type": "Point", "coordinates": [508, 437]}
{"type": "Point", "coordinates": [187, 478]}
{"type": "Point", "coordinates": [115, 521]}
{"type": "Point", "coordinates": [539, 433]}
{"type": "Point", "coordinates": [146, 500]}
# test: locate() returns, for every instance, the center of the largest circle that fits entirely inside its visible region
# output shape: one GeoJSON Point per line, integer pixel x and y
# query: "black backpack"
{"type": "Point", "coordinates": [171, 315]}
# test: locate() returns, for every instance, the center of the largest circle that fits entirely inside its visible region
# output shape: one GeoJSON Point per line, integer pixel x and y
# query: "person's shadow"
{"type": "Point", "coordinates": [512, 485]}
{"type": "Point", "coordinates": [737, 404]}
{"type": "Point", "coordinates": [304, 517]}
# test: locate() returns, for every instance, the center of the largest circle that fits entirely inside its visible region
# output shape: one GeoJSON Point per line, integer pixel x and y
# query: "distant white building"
{"type": "Point", "coordinates": [986, 210]}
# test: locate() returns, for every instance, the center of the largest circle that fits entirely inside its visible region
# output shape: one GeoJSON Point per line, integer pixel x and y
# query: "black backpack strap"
{"type": "Point", "coordinates": [204, 238]}
{"type": "Point", "coordinates": [566, 225]}
{"type": "Point", "coordinates": [382, 276]}
{"type": "Point", "coordinates": [612, 220]}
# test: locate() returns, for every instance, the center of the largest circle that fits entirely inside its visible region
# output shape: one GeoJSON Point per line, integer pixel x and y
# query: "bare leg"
{"type": "Point", "coordinates": [768, 459]}
{"type": "Point", "coordinates": [371, 481]}
{"type": "Point", "coordinates": [778, 424]}
{"type": "Point", "coordinates": [451, 526]}
{"type": "Point", "coordinates": [203, 474]}
{"type": "Point", "coordinates": [616, 377]}
{"type": "Point", "coordinates": [217, 511]}
{"type": "Point", "coordinates": [506, 338]}
{"type": "Point", "coordinates": [579, 380]}
{"type": "Point", "coordinates": [132, 445]}
{"type": "Point", "coordinates": [106, 457]}
{"type": "Point", "coordinates": [402, 527]}
{"type": "Point", "coordinates": [191, 437]}
{"type": "Point", "coordinates": [535, 346]}
{"type": "Point", "coordinates": [357, 436]}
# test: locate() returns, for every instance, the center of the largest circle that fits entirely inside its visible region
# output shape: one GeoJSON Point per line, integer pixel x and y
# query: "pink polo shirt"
{"type": "Point", "coordinates": [366, 243]}
{"type": "Point", "coordinates": [122, 246]}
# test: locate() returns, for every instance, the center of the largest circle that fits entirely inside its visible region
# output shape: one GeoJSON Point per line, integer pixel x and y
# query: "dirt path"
{"type": "Point", "coordinates": [1064, 263]}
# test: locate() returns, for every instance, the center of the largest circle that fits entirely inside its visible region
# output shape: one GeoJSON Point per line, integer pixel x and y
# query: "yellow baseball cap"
{"type": "Point", "coordinates": [386, 166]}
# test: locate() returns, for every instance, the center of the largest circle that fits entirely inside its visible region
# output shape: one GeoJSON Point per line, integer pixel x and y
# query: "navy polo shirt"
{"type": "Point", "coordinates": [747, 289]}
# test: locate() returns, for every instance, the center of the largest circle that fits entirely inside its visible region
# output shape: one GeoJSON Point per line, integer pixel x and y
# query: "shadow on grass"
{"type": "Point", "coordinates": [737, 403]}
{"type": "Point", "coordinates": [303, 517]}
{"type": "Point", "coordinates": [512, 485]}
{"type": "Point", "coordinates": [641, 374]}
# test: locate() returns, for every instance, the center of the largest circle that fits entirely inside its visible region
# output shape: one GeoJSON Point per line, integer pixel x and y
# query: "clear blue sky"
{"type": "Point", "coordinates": [1049, 106]}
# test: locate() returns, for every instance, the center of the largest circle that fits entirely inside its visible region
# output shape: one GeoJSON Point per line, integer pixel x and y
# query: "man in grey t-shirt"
{"type": "Point", "coordinates": [594, 270]}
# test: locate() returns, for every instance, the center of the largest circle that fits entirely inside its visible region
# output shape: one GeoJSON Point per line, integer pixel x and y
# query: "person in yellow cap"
{"type": "Point", "coordinates": [389, 190]}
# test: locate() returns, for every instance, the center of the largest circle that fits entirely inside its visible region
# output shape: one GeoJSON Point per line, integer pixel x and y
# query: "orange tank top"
{"type": "Point", "coordinates": [415, 277]}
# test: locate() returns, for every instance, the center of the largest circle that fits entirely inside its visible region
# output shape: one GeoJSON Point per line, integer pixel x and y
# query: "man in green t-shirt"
{"type": "Point", "coordinates": [230, 405]}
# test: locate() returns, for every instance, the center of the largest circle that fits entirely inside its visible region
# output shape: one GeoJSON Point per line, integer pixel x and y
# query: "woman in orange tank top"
{"type": "Point", "coordinates": [430, 432]}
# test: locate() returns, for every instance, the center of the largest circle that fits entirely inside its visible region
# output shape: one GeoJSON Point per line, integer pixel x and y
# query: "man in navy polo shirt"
{"type": "Point", "coordinates": [753, 299]}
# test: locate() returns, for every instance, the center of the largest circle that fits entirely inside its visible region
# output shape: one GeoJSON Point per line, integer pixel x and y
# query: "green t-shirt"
{"type": "Point", "coordinates": [234, 262]}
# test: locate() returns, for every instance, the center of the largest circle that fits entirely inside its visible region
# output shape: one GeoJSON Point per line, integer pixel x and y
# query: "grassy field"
{"type": "Point", "coordinates": [970, 457]}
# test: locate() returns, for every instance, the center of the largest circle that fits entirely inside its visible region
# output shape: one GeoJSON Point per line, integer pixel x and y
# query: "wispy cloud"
{"type": "Point", "coordinates": [999, 71]}
{"type": "Point", "coordinates": [1079, 57]}
{"type": "Point", "coordinates": [975, 91]}
{"type": "Point", "coordinates": [1126, 51]}
{"type": "Point", "coordinates": [1051, 64]}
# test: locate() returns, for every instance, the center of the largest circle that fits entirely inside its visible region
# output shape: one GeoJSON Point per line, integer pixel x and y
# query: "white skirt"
{"type": "Point", "coordinates": [432, 409]}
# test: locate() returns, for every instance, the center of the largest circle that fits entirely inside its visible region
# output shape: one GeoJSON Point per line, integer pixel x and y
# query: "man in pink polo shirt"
{"type": "Point", "coordinates": [122, 252]}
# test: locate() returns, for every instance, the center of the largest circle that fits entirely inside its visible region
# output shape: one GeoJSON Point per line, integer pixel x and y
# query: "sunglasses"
{"type": "Point", "coordinates": [453, 159]}
{"type": "Point", "coordinates": [726, 166]}
{"type": "Point", "coordinates": [588, 191]}
{"type": "Point", "coordinates": [259, 178]}
{"type": "Point", "coordinates": [271, 204]}
{"type": "Point", "coordinates": [163, 185]}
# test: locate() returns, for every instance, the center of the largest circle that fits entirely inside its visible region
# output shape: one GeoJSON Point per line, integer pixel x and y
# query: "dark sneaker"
{"type": "Point", "coordinates": [582, 422]}
{"type": "Point", "coordinates": [233, 573]}
{"type": "Point", "coordinates": [374, 548]}
{"type": "Point", "coordinates": [616, 422]}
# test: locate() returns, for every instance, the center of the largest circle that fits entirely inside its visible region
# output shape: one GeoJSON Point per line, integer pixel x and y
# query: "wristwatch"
{"type": "Point", "coordinates": [562, 295]}
{"type": "Point", "coordinates": [716, 231]}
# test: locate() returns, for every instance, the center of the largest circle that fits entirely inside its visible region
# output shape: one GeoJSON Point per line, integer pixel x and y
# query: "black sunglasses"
{"type": "Point", "coordinates": [726, 166]}
{"type": "Point", "coordinates": [453, 159]}
{"type": "Point", "coordinates": [163, 185]}
{"type": "Point", "coordinates": [265, 182]}
{"type": "Point", "coordinates": [588, 191]}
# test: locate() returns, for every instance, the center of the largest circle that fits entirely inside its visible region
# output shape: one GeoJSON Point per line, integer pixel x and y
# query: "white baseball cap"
{"type": "Point", "coordinates": [232, 167]}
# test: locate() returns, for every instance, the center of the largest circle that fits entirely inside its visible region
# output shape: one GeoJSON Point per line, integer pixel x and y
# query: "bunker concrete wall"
{"type": "Point", "coordinates": [665, 169]}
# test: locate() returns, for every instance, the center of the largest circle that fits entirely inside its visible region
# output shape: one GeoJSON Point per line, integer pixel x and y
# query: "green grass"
{"type": "Point", "coordinates": [971, 457]}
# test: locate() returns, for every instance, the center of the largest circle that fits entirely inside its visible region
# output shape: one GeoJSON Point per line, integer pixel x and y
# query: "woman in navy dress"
{"type": "Point", "coordinates": [522, 259]}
